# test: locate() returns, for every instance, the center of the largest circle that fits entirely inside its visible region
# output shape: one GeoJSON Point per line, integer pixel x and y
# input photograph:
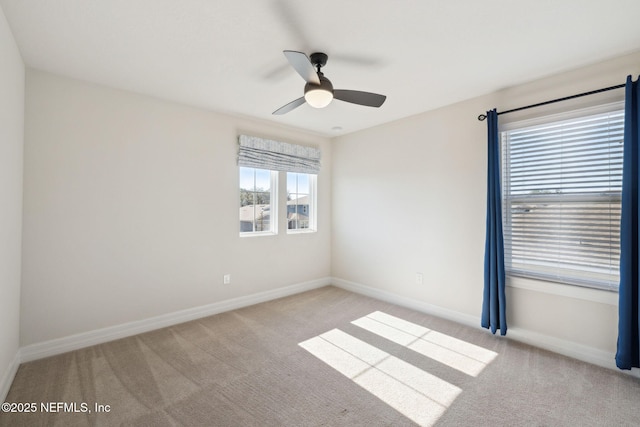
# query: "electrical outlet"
{"type": "Point", "coordinates": [419, 279]}
{"type": "Point", "coordinates": [226, 279]}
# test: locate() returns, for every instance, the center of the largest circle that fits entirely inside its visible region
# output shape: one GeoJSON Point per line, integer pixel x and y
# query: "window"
{"type": "Point", "coordinates": [260, 161]}
{"type": "Point", "coordinates": [301, 201]}
{"type": "Point", "coordinates": [258, 200]}
{"type": "Point", "coordinates": [562, 183]}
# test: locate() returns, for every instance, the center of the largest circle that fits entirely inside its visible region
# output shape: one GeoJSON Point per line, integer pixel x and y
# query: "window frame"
{"type": "Point", "coordinates": [313, 184]}
{"type": "Point", "coordinates": [522, 273]}
{"type": "Point", "coordinates": [273, 202]}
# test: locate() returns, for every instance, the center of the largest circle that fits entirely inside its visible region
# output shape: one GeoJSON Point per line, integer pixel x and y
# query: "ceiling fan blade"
{"type": "Point", "coordinates": [290, 106]}
{"type": "Point", "coordinates": [361, 98]}
{"type": "Point", "coordinates": [302, 64]}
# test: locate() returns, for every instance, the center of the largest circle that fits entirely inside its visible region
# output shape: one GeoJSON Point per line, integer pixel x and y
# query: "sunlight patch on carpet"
{"type": "Point", "coordinates": [455, 353]}
{"type": "Point", "coordinates": [419, 395]}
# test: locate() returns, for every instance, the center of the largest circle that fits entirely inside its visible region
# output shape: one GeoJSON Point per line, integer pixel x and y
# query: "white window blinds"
{"type": "Point", "coordinates": [562, 184]}
{"type": "Point", "coordinates": [267, 154]}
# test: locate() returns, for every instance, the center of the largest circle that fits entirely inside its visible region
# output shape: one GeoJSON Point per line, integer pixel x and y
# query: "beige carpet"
{"type": "Point", "coordinates": [321, 358]}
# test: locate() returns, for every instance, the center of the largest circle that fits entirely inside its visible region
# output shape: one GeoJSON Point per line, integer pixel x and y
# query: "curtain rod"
{"type": "Point", "coordinates": [481, 117]}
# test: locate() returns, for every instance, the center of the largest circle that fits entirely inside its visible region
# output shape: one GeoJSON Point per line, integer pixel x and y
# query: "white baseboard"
{"type": "Point", "coordinates": [99, 336]}
{"type": "Point", "coordinates": [565, 347]}
{"type": "Point", "coordinates": [9, 375]}
{"type": "Point", "coordinates": [434, 310]}
{"type": "Point", "coordinates": [86, 339]}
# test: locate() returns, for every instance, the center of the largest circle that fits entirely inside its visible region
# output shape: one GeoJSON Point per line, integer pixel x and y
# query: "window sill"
{"type": "Point", "coordinates": [569, 291]}
{"type": "Point", "coordinates": [258, 234]}
{"type": "Point", "coordinates": [302, 231]}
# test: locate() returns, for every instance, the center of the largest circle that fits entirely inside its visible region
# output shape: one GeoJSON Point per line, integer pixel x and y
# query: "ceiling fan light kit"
{"type": "Point", "coordinates": [319, 96]}
{"type": "Point", "coordinates": [318, 91]}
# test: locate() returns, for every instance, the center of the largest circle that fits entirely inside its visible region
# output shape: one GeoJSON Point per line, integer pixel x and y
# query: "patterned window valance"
{"type": "Point", "coordinates": [263, 153]}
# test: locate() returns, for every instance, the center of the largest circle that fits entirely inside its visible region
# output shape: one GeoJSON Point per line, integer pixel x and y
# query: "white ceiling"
{"type": "Point", "coordinates": [226, 55]}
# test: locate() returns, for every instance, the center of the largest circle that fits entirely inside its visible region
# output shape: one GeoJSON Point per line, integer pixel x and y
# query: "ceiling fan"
{"type": "Point", "coordinates": [319, 92]}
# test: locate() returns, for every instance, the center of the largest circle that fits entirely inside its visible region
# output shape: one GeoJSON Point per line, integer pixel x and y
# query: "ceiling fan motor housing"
{"type": "Point", "coordinates": [325, 84]}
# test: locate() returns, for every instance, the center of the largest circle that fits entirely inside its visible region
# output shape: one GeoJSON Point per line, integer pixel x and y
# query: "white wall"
{"type": "Point", "coordinates": [11, 152]}
{"type": "Point", "coordinates": [409, 197]}
{"type": "Point", "coordinates": [131, 210]}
